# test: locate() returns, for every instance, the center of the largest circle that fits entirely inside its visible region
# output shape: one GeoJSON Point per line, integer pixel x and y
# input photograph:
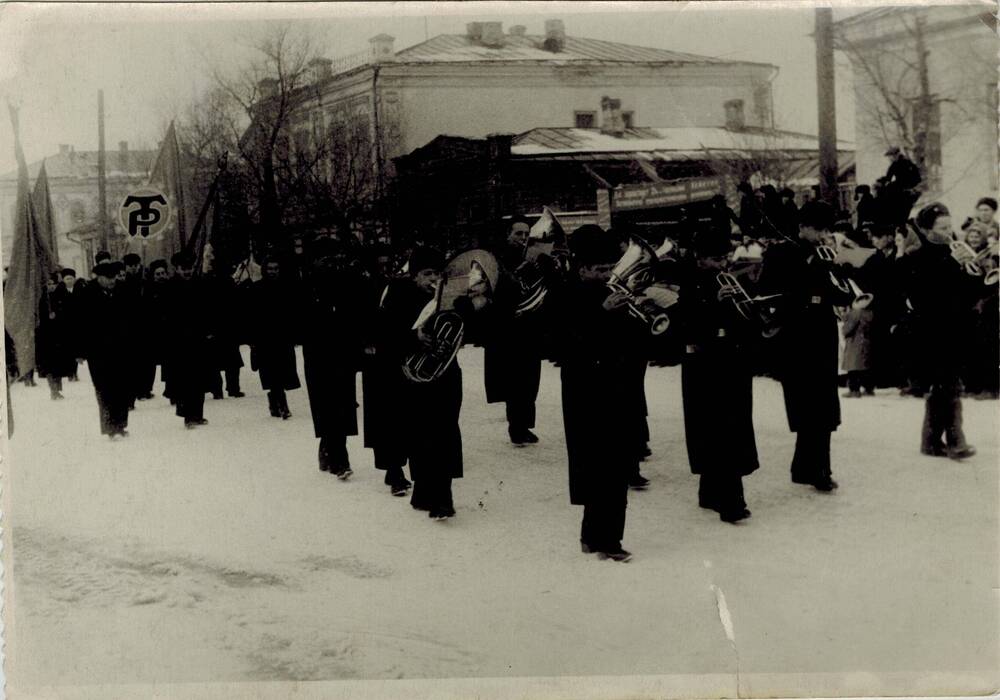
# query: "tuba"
{"type": "Point", "coordinates": [861, 299]}
{"type": "Point", "coordinates": [758, 310]}
{"type": "Point", "coordinates": [545, 238]}
{"type": "Point", "coordinates": [633, 275]}
{"type": "Point", "coordinates": [468, 281]}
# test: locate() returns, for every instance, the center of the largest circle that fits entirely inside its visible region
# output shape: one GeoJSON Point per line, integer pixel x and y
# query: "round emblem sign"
{"type": "Point", "coordinates": [145, 212]}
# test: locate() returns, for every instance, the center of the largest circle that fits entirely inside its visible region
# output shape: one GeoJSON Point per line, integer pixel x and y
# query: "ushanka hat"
{"type": "Point", "coordinates": [106, 269]}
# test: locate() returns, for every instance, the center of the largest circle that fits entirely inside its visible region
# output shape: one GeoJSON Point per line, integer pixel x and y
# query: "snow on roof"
{"type": "Point", "coordinates": [460, 48]}
{"type": "Point", "coordinates": [83, 164]}
{"type": "Point", "coordinates": [686, 139]}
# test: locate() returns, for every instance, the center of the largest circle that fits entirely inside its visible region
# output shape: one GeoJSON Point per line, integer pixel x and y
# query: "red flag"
{"type": "Point", "coordinates": [167, 176]}
{"type": "Point", "coordinates": [42, 199]}
{"type": "Point", "coordinates": [29, 265]}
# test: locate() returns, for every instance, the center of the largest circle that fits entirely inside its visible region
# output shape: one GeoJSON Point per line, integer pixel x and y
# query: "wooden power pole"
{"type": "Point", "coordinates": [827, 104]}
{"type": "Point", "coordinates": [102, 189]}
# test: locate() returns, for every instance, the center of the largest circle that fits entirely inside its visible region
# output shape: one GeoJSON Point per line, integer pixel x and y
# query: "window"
{"type": "Point", "coordinates": [585, 120]}
{"type": "Point", "coordinates": [628, 119]}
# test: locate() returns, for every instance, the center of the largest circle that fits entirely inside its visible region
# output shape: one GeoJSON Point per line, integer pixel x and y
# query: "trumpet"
{"type": "Point", "coordinates": [972, 261]}
{"type": "Point", "coordinates": [633, 275]}
{"type": "Point", "coordinates": [757, 310]}
{"type": "Point", "coordinates": [861, 299]}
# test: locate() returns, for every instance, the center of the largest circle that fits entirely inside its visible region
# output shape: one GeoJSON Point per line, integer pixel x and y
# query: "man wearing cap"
{"type": "Point", "coordinates": [430, 410]}
{"type": "Point", "coordinates": [332, 349]}
{"type": "Point", "coordinates": [107, 349]}
{"type": "Point", "coordinates": [512, 356]}
{"type": "Point", "coordinates": [190, 328]}
{"type": "Point", "coordinates": [900, 185]}
{"type": "Point", "coordinates": [806, 350]}
{"type": "Point", "coordinates": [942, 295]}
{"type": "Point", "coordinates": [716, 383]}
{"type": "Point", "coordinates": [69, 297]}
{"type": "Point", "coordinates": [593, 335]}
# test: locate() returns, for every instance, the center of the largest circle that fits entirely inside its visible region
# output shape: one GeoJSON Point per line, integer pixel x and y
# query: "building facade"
{"type": "Point", "coordinates": [73, 185]}
{"type": "Point", "coordinates": [925, 80]}
{"type": "Point", "coordinates": [491, 81]}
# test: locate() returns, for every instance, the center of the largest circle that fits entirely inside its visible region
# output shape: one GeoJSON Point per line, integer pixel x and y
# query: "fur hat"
{"type": "Point", "coordinates": [592, 245]}
{"type": "Point", "coordinates": [425, 258]}
{"type": "Point", "coordinates": [929, 215]}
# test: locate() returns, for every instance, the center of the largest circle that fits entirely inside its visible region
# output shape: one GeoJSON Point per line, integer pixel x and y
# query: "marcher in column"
{"type": "Point", "coordinates": [107, 349]}
{"type": "Point", "coordinates": [383, 383]}
{"type": "Point", "coordinates": [54, 351]}
{"type": "Point", "coordinates": [512, 355]}
{"type": "Point", "coordinates": [805, 351]}
{"type": "Point", "coordinates": [943, 296]}
{"type": "Point", "coordinates": [593, 337]}
{"type": "Point", "coordinates": [190, 329]}
{"type": "Point", "coordinates": [276, 308]}
{"type": "Point", "coordinates": [433, 437]}
{"type": "Point", "coordinates": [717, 383]}
{"type": "Point", "coordinates": [332, 348]}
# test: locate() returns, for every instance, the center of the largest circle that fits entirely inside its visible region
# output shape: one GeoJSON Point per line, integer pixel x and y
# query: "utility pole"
{"type": "Point", "coordinates": [102, 190]}
{"type": "Point", "coordinates": [826, 103]}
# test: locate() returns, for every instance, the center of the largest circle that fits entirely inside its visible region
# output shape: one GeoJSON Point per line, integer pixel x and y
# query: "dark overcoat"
{"type": "Point", "coordinates": [190, 326]}
{"type": "Point", "coordinates": [429, 412]}
{"type": "Point", "coordinates": [107, 351]}
{"type": "Point", "coordinates": [595, 367]}
{"type": "Point", "coordinates": [333, 341]}
{"type": "Point", "coordinates": [716, 380]}
{"type": "Point", "coordinates": [55, 354]}
{"type": "Point", "coordinates": [275, 307]}
{"type": "Point", "coordinates": [512, 353]}
{"type": "Point", "coordinates": [805, 352]}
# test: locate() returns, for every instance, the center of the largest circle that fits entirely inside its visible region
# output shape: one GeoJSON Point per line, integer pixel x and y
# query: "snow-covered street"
{"type": "Point", "coordinates": [223, 554]}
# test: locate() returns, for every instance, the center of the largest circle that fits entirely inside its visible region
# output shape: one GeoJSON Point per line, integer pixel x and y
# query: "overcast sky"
{"type": "Point", "coordinates": [150, 60]}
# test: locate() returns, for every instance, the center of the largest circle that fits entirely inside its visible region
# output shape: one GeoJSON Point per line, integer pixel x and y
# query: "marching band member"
{"type": "Point", "coordinates": [942, 295]}
{"type": "Point", "coordinates": [807, 347]}
{"type": "Point", "coordinates": [593, 340]}
{"type": "Point", "coordinates": [513, 361]}
{"type": "Point", "coordinates": [716, 384]}
{"type": "Point", "coordinates": [430, 410]}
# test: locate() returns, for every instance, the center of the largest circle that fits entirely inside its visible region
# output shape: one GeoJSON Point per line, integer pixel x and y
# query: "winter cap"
{"type": "Point", "coordinates": [988, 201]}
{"type": "Point", "coordinates": [107, 269]}
{"type": "Point", "coordinates": [132, 259]}
{"type": "Point", "coordinates": [894, 151]}
{"type": "Point", "coordinates": [182, 259]}
{"type": "Point", "coordinates": [816, 215]}
{"type": "Point", "coordinates": [425, 258]}
{"type": "Point", "coordinates": [592, 245]}
{"type": "Point", "coordinates": [157, 264]}
{"type": "Point", "coordinates": [712, 244]}
{"type": "Point", "coordinates": [930, 214]}
{"type": "Point", "coordinates": [102, 256]}
{"type": "Point", "coordinates": [68, 272]}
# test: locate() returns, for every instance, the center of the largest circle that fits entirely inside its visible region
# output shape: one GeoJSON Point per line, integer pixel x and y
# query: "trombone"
{"type": "Point", "coordinates": [757, 310]}
{"type": "Point", "coordinates": [861, 299]}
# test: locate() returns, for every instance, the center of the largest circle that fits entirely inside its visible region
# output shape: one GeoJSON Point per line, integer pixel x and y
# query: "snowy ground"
{"type": "Point", "coordinates": [225, 555]}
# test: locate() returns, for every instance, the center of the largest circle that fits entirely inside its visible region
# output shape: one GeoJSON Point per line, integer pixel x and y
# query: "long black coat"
{"type": "Point", "coordinates": [429, 412]}
{"type": "Point", "coordinates": [513, 346]}
{"type": "Point", "coordinates": [943, 297]}
{"type": "Point", "coordinates": [275, 307]}
{"type": "Point", "coordinates": [55, 354]}
{"type": "Point", "coordinates": [232, 318]}
{"type": "Point", "coordinates": [595, 368]}
{"type": "Point", "coordinates": [805, 352]}
{"type": "Point", "coordinates": [716, 380]}
{"type": "Point", "coordinates": [333, 343]}
{"type": "Point", "coordinates": [107, 351]}
{"type": "Point", "coordinates": [190, 326]}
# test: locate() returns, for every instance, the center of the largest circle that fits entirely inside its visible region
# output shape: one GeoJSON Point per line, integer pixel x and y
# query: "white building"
{"type": "Point", "coordinates": [960, 72]}
{"type": "Point", "coordinates": [491, 81]}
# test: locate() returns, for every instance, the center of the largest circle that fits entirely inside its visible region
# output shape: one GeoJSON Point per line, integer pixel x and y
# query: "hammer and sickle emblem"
{"type": "Point", "coordinates": [140, 220]}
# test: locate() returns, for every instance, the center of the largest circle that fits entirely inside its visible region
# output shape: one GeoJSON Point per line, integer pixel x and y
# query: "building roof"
{"type": "Point", "coordinates": [660, 143]}
{"type": "Point", "coordinates": [83, 164]}
{"type": "Point", "coordinates": [459, 48]}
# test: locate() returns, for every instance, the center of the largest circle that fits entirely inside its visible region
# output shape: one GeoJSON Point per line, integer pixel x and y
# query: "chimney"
{"type": "Point", "coordinates": [63, 149]}
{"type": "Point", "coordinates": [320, 69]}
{"type": "Point", "coordinates": [555, 35]}
{"type": "Point", "coordinates": [492, 34]}
{"type": "Point", "coordinates": [517, 30]}
{"type": "Point", "coordinates": [123, 156]}
{"type": "Point", "coordinates": [612, 123]}
{"type": "Point", "coordinates": [382, 48]}
{"type": "Point", "coordinates": [734, 115]}
{"type": "Point", "coordinates": [474, 31]}
{"type": "Point", "coordinates": [268, 88]}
